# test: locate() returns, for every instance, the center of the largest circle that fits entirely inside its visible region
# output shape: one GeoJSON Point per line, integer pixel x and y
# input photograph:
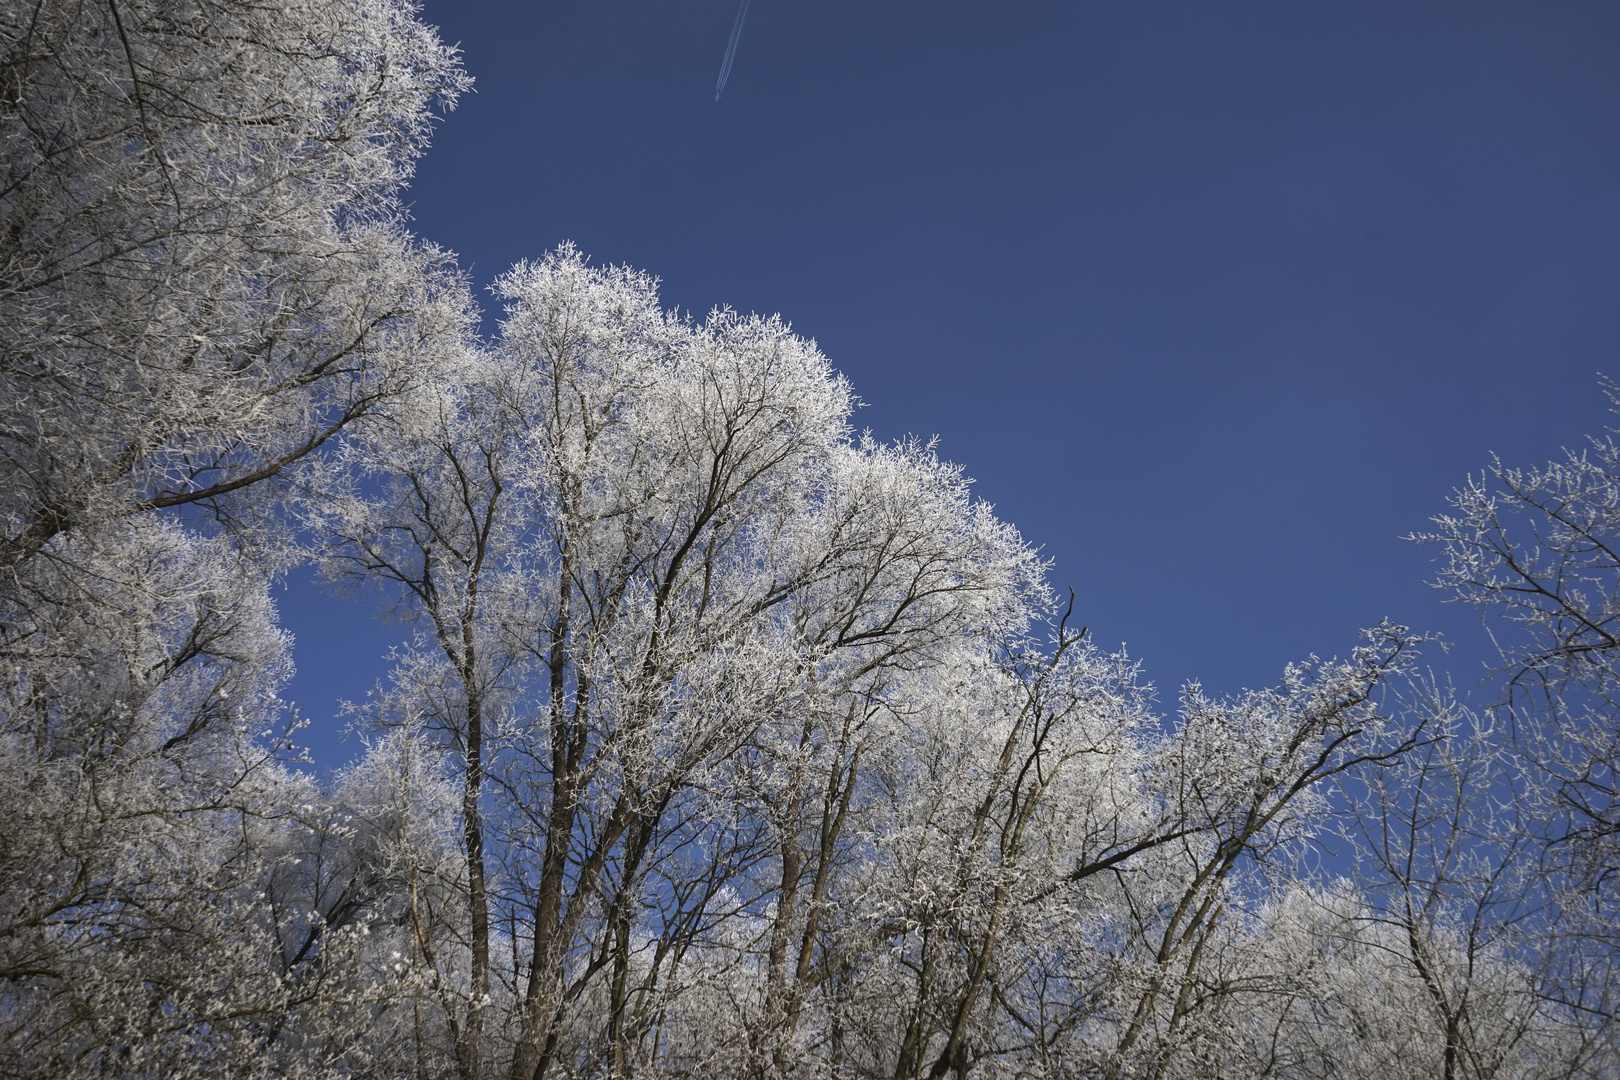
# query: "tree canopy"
{"type": "Point", "coordinates": [726, 740]}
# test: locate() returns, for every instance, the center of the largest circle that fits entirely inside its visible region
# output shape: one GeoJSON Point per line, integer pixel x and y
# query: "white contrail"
{"type": "Point", "coordinates": [731, 50]}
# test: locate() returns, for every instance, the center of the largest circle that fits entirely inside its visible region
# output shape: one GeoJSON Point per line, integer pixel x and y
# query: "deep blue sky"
{"type": "Point", "coordinates": [1215, 300]}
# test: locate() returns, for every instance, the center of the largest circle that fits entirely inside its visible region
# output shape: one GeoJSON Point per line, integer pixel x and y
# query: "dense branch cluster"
{"type": "Point", "coordinates": [726, 741]}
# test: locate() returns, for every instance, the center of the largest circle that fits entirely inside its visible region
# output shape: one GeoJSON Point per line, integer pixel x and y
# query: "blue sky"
{"type": "Point", "coordinates": [1215, 300]}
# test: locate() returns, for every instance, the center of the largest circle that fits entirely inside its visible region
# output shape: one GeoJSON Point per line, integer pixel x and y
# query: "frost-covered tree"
{"type": "Point", "coordinates": [767, 769]}
{"type": "Point", "coordinates": [178, 900]}
{"type": "Point", "coordinates": [203, 276]}
{"type": "Point", "coordinates": [204, 271]}
{"type": "Point", "coordinates": [637, 543]}
{"type": "Point", "coordinates": [1537, 551]}
{"type": "Point", "coordinates": [1066, 877]}
{"type": "Point", "coordinates": [727, 741]}
{"type": "Point", "coordinates": [1451, 885]}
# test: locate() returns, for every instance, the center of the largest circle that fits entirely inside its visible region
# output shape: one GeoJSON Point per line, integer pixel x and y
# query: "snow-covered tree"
{"type": "Point", "coordinates": [727, 741]}
{"type": "Point", "coordinates": [636, 543]}
{"type": "Point", "coordinates": [178, 900]}
{"type": "Point", "coordinates": [1537, 551]}
{"type": "Point", "coordinates": [204, 275]}
{"type": "Point", "coordinates": [205, 272]}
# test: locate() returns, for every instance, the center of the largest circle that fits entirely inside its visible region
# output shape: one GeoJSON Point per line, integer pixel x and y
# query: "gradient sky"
{"type": "Point", "coordinates": [1215, 300]}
